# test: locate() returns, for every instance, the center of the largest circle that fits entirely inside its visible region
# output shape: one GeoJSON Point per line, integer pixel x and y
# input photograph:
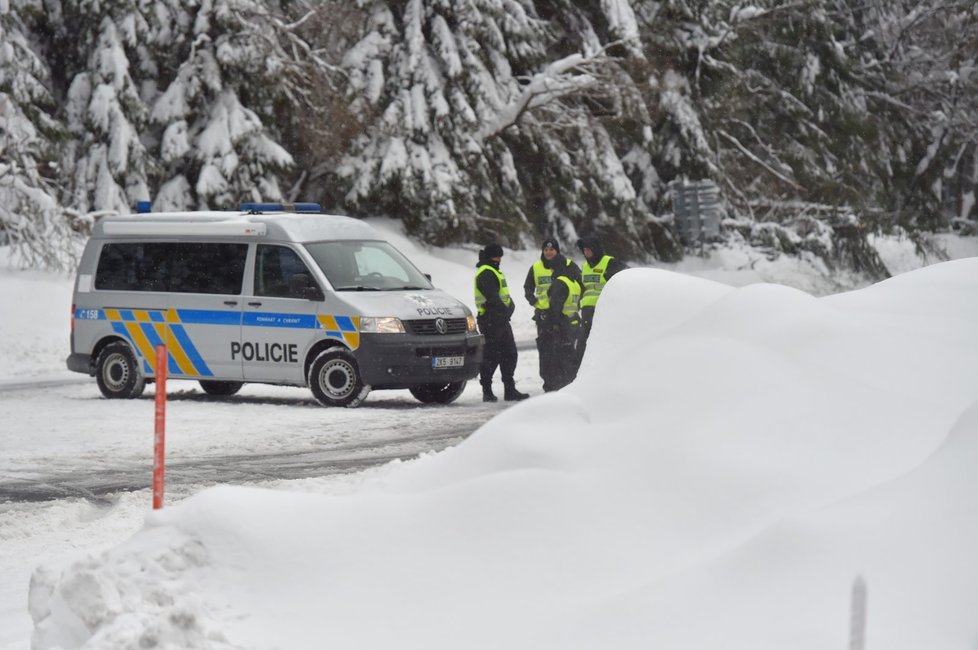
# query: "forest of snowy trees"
{"type": "Point", "coordinates": [818, 120]}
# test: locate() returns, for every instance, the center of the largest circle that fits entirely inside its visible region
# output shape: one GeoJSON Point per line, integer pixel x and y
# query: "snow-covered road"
{"type": "Point", "coordinates": [70, 442]}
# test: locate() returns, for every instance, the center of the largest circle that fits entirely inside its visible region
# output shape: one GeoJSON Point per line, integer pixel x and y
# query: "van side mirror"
{"type": "Point", "coordinates": [428, 276]}
{"type": "Point", "coordinates": [313, 293]}
{"type": "Point", "coordinates": [302, 286]}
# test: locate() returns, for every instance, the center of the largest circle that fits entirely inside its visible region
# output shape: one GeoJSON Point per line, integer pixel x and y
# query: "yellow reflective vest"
{"type": "Point", "coordinates": [480, 299]}
{"type": "Point", "coordinates": [542, 277]}
{"type": "Point", "coordinates": [594, 280]}
{"type": "Point", "coordinates": [573, 301]}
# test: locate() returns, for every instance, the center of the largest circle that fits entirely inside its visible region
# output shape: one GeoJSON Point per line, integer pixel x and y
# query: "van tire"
{"type": "Point", "coordinates": [221, 388]}
{"type": "Point", "coordinates": [438, 393]}
{"type": "Point", "coordinates": [117, 372]}
{"type": "Point", "coordinates": [334, 379]}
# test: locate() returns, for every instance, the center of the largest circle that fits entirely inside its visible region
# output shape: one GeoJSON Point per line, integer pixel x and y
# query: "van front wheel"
{"type": "Point", "coordinates": [334, 379]}
{"type": "Point", "coordinates": [438, 393]}
{"type": "Point", "coordinates": [117, 372]}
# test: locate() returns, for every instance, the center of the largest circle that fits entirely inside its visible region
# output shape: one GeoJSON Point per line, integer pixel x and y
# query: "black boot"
{"type": "Point", "coordinates": [487, 394]}
{"type": "Point", "coordinates": [510, 394]}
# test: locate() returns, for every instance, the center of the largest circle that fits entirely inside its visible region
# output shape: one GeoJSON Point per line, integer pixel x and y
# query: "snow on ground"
{"type": "Point", "coordinates": [35, 324]}
{"type": "Point", "coordinates": [726, 465]}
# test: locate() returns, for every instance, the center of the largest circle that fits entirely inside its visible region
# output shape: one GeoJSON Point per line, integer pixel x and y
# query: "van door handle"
{"type": "Point", "coordinates": [254, 304]}
{"type": "Point", "coordinates": [230, 303]}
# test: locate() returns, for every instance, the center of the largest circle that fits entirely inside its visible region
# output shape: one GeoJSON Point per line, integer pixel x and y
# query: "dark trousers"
{"type": "Point", "coordinates": [587, 319]}
{"type": "Point", "coordinates": [500, 352]}
{"type": "Point", "coordinates": [558, 357]}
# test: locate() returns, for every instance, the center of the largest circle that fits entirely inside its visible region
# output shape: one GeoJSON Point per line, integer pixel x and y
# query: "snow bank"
{"type": "Point", "coordinates": [42, 348]}
{"type": "Point", "coordinates": [726, 464]}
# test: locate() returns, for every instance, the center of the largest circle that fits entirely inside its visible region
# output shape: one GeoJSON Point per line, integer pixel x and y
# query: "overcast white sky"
{"type": "Point", "coordinates": [727, 463]}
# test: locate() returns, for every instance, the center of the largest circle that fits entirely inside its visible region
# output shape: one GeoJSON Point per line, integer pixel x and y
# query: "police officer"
{"type": "Point", "coordinates": [495, 307]}
{"type": "Point", "coordinates": [597, 270]}
{"type": "Point", "coordinates": [556, 331]}
{"type": "Point", "coordinates": [558, 328]}
{"type": "Point", "coordinates": [538, 278]}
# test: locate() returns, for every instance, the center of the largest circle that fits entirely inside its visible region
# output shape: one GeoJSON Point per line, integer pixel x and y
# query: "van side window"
{"type": "Point", "coordinates": [208, 268]}
{"type": "Point", "coordinates": [172, 267]}
{"type": "Point", "coordinates": [279, 272]}
{"type": "Point", "coordinates": [133, 267]}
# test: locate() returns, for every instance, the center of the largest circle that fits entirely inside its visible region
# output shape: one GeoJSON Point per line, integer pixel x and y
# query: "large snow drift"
{"type": "Point", "coordinates": [726, 465]}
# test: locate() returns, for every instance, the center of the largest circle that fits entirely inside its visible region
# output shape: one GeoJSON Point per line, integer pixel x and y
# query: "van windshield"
{"type": "Point", "coordinates": [366, 266]}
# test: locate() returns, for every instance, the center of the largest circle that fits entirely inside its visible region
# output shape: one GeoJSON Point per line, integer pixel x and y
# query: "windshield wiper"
{"type": "Point", "coordinates": [409, 288]}
{"type": "Point", "coordinates": [357, 288]}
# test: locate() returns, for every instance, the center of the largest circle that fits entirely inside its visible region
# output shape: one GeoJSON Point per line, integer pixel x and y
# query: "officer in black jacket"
{"type": "Point", "coordinates": [495, 307]}
{"type": "Point", "coordinates": [556, 335]}
{"type": "Point", "coordinates": [597, 270]}
{"type": "Point", "coordinates": [539, 276]}
{"type": "Point", "coordinates": [557, 330]}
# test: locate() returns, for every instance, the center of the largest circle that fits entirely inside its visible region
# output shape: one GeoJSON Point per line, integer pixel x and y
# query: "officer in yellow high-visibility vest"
{"type": "Point", "coordinates": [539, 277]}
{"type": "Point", "coordinates": [557, 329]}
{"type": "Point", "coordinates": [597, 270]}
{"type": "Point", "coordinates": [555, 339]}
{"type": "Point", "coordinates": [495, 307]}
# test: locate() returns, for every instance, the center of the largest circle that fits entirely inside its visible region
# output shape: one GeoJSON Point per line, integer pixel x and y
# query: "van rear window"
{"type": "Point", "coordinates": [171, 267]}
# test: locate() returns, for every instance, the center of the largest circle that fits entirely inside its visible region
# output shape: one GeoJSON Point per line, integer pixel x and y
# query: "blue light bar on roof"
{"type": "Point", "coordinates": [257, 208]}
{"type": "Point", "coordinates": [143, 207]}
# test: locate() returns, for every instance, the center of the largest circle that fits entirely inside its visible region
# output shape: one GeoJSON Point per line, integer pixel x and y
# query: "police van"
{"type": "Point", "coordinates": [275, 293]}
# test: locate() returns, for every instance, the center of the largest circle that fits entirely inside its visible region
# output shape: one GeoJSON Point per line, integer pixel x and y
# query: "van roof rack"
{"type": "Point", "coordinates": [259, 208]}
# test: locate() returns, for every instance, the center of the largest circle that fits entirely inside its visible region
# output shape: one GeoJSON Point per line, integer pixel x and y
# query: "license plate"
{"type": "Point", "coordinates": [447, 362]}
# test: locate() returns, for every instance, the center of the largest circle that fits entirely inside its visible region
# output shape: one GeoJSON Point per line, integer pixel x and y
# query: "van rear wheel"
{"type": "Point", "coordinates": [117, 372]}
{"type": "Point", "coordinates": [221, 388]}
{"type": "Point", "coordinates": [438, 393]}
{"type": "Point", "coordinates": [334, 379]}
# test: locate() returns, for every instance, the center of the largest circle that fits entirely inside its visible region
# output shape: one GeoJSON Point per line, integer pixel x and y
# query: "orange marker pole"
{"type": "Point", "coordinates": [159, 441]}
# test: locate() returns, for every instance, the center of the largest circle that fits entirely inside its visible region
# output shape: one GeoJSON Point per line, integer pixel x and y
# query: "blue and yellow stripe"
{"type": "Point", "coordinates": [147, 328]}
{"type": "Point", "coordinates": [344, 328]}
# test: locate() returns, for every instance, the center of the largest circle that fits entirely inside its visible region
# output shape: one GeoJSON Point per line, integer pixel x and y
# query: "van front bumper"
{"type": "Point", "coordinates": [404, 361]}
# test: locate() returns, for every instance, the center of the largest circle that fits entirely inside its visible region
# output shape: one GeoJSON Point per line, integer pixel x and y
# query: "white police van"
{"type": "Point", "coordinates": [271, 294]}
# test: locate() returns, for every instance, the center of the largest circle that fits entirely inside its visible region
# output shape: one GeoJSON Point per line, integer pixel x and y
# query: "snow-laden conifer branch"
{"type": "Point", "coordinates": [571, 75]}
{"type": "Point", "coordinates": [747, 152]}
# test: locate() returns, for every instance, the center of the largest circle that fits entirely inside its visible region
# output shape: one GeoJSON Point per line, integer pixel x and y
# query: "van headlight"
{"type": "Point", "coordinates": [381, 325]}
{"type": "Point", "coordinates": [470, 325]}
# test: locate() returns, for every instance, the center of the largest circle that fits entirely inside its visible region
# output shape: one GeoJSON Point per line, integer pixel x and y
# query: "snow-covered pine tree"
{"type": "Point", "coordinates": [925, 56]}
{"type": "Point", "coordinates": [166, 101]}
{"type": "Point", "coordinates": [767, 100]}
{"type": "Point", "coordinates": [670, 139]}
{"type": "Point", "coordinates": [792, 117]}
{"type": "Point", "coordinates": [830, 106]}
{"type": "Point", "coordinates": [105, 164]}
{"type": "Point", "coordinates": [214, 143]}
{"type": "Point", "coordinates": [485, 124]}
{"type": "Point", "coordinates": [314, 117]}
{"type": "Point", "coordinates": [31, 219]}
{"type": "Point", "coordinates": [431, 73]}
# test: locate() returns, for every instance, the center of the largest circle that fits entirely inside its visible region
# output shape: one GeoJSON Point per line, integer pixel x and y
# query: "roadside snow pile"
{"type": "Point", "coordinates": [41, 347]}
{"type": "Point", "coordinates": [725, 466]}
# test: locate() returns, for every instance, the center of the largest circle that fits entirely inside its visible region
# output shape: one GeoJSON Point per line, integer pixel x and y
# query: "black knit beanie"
{"type": "Point", "coordinates": [493, 250]}
{"type": "Point", "coordinates": [551, 242]}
